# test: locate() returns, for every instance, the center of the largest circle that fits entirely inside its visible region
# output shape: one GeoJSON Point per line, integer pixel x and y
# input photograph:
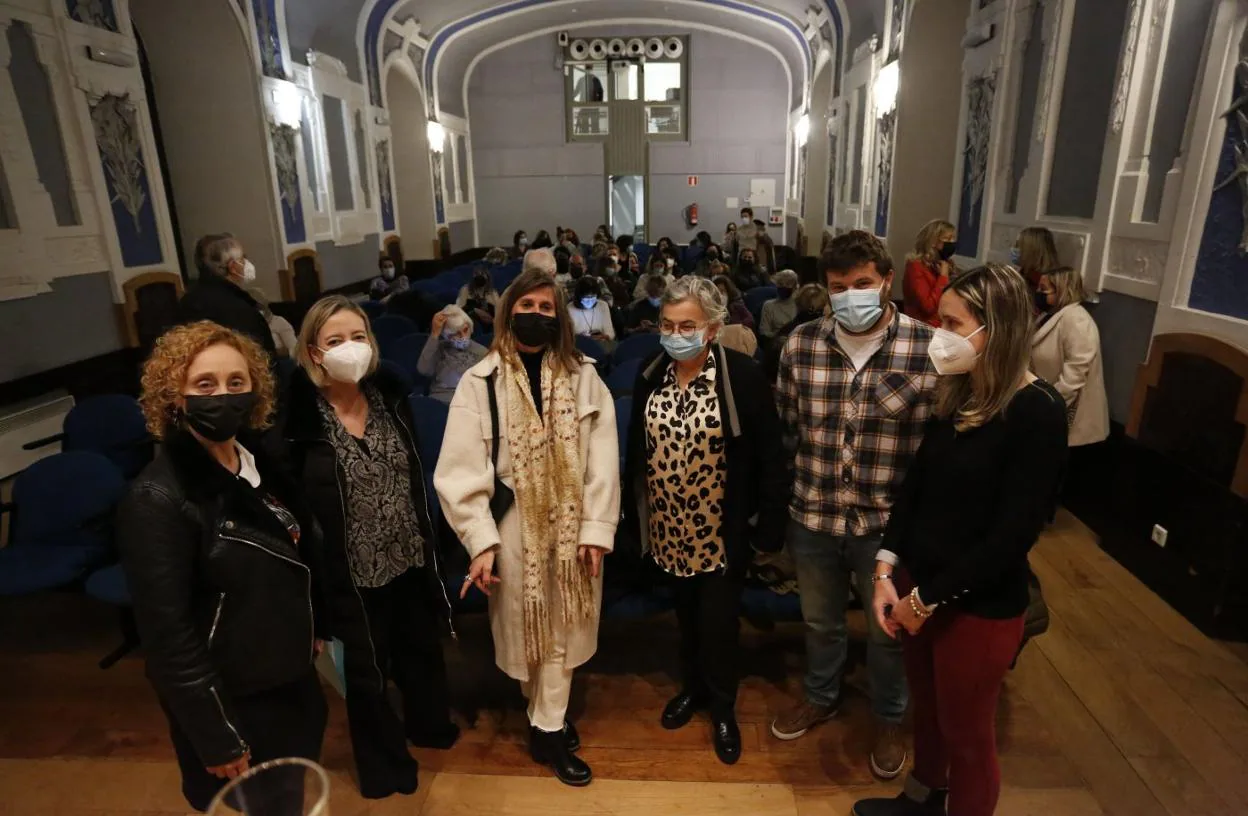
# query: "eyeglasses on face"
{"type": "Point", "coordinates": [685, 329]}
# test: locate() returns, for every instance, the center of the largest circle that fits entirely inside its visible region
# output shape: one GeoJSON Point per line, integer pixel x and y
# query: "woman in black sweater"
{"type": "Point", "coordinates": [974, 502]}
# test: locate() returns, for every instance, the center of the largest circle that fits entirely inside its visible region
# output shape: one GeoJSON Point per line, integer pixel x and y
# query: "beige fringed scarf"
{"type": "Point", "coordinates": [546, 463]}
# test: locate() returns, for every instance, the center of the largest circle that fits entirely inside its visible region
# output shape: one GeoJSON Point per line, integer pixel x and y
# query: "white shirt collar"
{"type": "Point", "coordinates": [247, 467]}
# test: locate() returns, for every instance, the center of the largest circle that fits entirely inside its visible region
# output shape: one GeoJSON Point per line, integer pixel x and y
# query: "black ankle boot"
{"type": "Point", "coordinates": [726, 736]}
{"type": "Point", "coordinates": [680, 710]}
{"type": "Point", "coordinates": [551, 749]}
{"type": "Point", "coordinates": [916, 799]}
{"type": "Point", "coordinates": [572, 736]}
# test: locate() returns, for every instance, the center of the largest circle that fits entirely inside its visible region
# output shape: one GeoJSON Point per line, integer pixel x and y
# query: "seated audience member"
{"type": "Point", "coordinates": [478, 297]}
{"type": "Point", "coordinates": [656, 266]}
{"type": "Point", "coordinates": [749, 274]}
{"type": "Point", "coordinates": [496, 257]}
{"type": "Point", "coordinates": [951, 572]}
{"type": "Point", "coordinates": [543, 241]}
{"type": "Point", "coordinates": [738, 313]}
{"type": "Point", "coordinates": [519, 244]}
{"type": "Point", "coordinates": [780, 312]}
{"type": "Point", "coordinates": [602, 234]}
{"type": "Point", "coordinates": [766, 253]}
{"type": "Point", "coordinates": [663, 245]}
{"type": "Point", "coordinates": [713, 255]}
{"type": "Point", "coordinates": [389, 282]}
{"type": "Point", "coordinates": [218, 294]}
{"type": "Point", "coordinates": [614, 287]}
{"type": "Point", "coordinates": [928, 271]}
{"type": "Point", "coordinates": [643, 314]}
{"type": "Point", "coordinates": [1034, 253]}
{"type": "Point", "coordinates": [740, 339]}
{"type": "Point", "coordinates": [625, 244]}
{"type": "Point", "coordinates": [449, 353]}
{"type": "Point", "coordinates": [563, 268]}
{"type": "Point", "coordinates": [571, 241]}
{"type": "Point", "coordinates": [729, 242]}
{"type": "Point", "coordinates": [598, 250]}
{"type": "Point", "coordinates": [1066, 352]}
{"type": "Point", "coordinates": [589, 312]}
{"type": "Point", "coordinates": [283, 333]}
{"type": "Point", "coordinates": [247, 691]}
{"type": "Point", "coordinates": [812, 303]}
{"type": "Point", "coordinates": [671, 259]}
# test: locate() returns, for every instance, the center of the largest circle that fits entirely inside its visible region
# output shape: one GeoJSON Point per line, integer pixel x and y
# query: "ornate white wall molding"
{"type": "Point", "coordinates": [1138, 260]}
{"type": "Point", "coordinates": [1054, 9]}
{"type": "Point", "coordinates": [1130, 43]}
{"type": "Point", "coordinates": [76, 250]}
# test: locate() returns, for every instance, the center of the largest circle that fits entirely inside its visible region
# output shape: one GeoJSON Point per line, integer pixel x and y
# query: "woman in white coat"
{"type": "Point", "coordinates": [539, 559]}
{"type": "Point", "coordinates": [1066, 352]}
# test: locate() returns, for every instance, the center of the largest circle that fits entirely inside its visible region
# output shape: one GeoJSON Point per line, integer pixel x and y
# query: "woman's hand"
{"type": "Point", "coordinates": [883, 601]}
{"type": "Point", "coordinates": [481, 573]}
{"type": "Point", "coordinates": [591, 557]}
{"type": "Point", "coordinates": [439, 323]}
{"type": "Point", "coordinates": [231, 769]}
{"type": "Point", "coordinates": [318, 646]}
{"type": "Point", "coordinates": [904, 616]}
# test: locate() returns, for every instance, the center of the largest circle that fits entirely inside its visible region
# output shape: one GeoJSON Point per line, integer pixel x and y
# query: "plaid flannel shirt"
{"type": "Point", "coordinates": [857, 432]}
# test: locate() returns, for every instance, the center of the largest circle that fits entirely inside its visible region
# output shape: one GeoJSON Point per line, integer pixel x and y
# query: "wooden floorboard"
{"type": "Point", "coordinates": [1123, 707]}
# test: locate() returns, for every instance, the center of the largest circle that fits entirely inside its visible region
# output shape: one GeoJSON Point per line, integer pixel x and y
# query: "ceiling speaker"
{"type": "Point", "coordinates": [616, 48]}
{"type": "Point", "coordinates": [635, 47]}
{"type": "Point", "coordinates": [673, 47]}
{"type": "Point", "coordinates": [597, 49]}
{"type": "Point", "coordinates": [654, 48]}
{"type": "Point", "coordinates": [579, 50]}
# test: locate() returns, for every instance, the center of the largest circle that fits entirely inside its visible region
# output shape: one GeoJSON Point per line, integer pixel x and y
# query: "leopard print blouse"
{"type": "Point", "coordinates": [685, 473]}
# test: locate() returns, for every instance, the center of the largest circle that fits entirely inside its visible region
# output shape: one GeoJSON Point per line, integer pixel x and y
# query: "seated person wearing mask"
{"type": "Point", "coordinates": [519, 244]}
{"type": "Point", "coordinates": [478, 297]}
{"type": "Point", "coordinates": [449, 353]}
{"type": "Point", "coordinates": [614, 286]}
{"type": "Point", "coordinates": [780, 312]}
{"type": "Point", "coordinates": [389, 282]}
{"type": "Point", "coordinates": [713, 255]}
{"type": "Point", "coordinates": [749, 274]}
{"type": "Point", "coordinates": [590, 314]}
{"type": "Point", "coordinates": [643, 315]}
{"type": "Point", "coordinates": [656, 266]}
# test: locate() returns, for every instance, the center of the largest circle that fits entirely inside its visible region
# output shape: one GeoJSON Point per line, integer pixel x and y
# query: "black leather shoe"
{"type": "Point", "coordinates": [552, 750]}
{"type": "Point", "coordinates": [571, 736]}
{"type": "Point", "coordinates": [727, 739]}
{"type": "Point", "coordinates": [440, 737]}
{"type": "Point", "coordinates": [680, 710]}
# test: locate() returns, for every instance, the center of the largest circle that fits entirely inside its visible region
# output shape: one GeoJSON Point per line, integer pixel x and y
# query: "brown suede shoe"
{"type": "Point", "coordinates": [888, 754]}
{"type": "Point", "coordinates": [800, 718]}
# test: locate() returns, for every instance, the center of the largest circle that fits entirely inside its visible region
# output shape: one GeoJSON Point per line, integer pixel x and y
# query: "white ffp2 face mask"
{"type": "Point", "coordinates": [249, 271]}
{"type": "Point", "coordinates": [348, 362]}
{"type": "Point", "coordinates": [951, 353]}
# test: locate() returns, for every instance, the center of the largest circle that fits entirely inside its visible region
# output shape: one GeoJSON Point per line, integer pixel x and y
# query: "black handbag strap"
{"type": "Point", "coordinates": [493, 422]}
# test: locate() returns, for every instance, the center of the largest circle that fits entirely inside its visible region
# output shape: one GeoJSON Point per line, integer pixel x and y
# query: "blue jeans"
{"type": "Point", "coordinates": [824, 563]}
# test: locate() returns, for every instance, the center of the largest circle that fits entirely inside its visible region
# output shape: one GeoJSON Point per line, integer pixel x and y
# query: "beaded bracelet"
{"type": "Point", "coordinates": [918, 608]}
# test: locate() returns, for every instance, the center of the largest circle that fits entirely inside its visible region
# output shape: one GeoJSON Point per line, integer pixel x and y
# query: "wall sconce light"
{"type": "Point", "coordinates": [436, 135]}
{"type": "Point", "coordinates": [287, 103]}
{"type": "Point", "coordinates": [801, 130]}
{"type": "Point", "coordinates": [110, 57]}
{"type": "Point", "coordinates": [887, 81]}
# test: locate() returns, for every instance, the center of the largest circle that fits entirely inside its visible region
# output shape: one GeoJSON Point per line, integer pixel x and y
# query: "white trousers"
{"type": "Point", "coordinates": [548, 690]}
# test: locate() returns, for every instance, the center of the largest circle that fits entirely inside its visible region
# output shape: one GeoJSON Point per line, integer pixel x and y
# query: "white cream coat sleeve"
{"type": "Point", "coordinates": [600, 505]}
{"type": "Point", "coordinates": [1080, 343]}
{"type": "Point", "coordinates": [464, 476]}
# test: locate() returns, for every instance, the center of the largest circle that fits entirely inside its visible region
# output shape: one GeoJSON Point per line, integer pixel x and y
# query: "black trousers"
{"type": "Point", "coordinates": [708, 609]}
{"type": "Point", "coordinates": [408, 650]}
{"type": "Point", "coordinates": [287, 721]}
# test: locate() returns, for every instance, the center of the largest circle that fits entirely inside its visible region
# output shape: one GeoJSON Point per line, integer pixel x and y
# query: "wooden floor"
{"type": "Point", "coordinates": [1122, 708]}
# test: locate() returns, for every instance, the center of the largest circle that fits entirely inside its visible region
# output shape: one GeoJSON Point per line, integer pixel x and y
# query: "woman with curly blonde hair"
{"type": "Point", "coordinates": [212, 541]}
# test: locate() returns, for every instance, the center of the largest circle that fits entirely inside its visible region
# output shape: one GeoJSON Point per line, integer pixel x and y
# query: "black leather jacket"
{"type": "Point", "coordinates": [222, 596]}
{"type": "Point", "coordinates": [315, 465]}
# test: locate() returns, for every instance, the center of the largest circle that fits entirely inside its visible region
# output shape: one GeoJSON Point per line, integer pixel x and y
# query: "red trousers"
{"type": "Point", "coordinates": [955, 666]}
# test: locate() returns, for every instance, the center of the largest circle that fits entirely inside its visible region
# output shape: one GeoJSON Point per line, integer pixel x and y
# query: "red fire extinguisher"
{"type": "Point", "coordinates": [691, 215]}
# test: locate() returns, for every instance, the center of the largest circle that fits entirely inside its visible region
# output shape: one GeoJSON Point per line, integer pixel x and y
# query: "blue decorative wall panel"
{"type": "Point", "coordinates": [98, 13]}
{"type": "Point", "coordinates": [1220, 280]}
{"type": "Point", "coordinates": [372, 38]}
{"type": "Point", "coordinates": [980, 95]}
{"type": "Point", "coordinates": [286, 164]}
{"type": "Point", "coordinates": [885, 133]}
{"type": "Point", "coordinates": [385, 191]}
{"type": "Point", "coordinates": [115, 122]}
{"type": "Point", "coordinates": [269, 38]}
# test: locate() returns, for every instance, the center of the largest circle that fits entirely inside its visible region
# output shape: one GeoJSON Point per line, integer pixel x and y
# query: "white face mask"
{"type": "Point", "coordinates": [951, 353]}
{"type": "Point", "coordinates": [249, 271]}
{"type": "Point", "coordinates": [348, 362]}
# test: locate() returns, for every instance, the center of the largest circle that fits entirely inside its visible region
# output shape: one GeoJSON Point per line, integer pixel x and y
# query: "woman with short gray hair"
{"type": "Point", "coordinates": [704, 456]}
{"type": "Point", "coordinates": [449, 353]}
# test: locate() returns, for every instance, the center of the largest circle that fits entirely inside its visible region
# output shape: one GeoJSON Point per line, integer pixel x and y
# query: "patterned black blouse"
{"type": "Point", "coordinates": [383, 529]}
{"type": "Point", "coordinates": [685, 472]}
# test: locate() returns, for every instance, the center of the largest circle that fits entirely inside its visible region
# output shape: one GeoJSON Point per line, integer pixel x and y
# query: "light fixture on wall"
{"type": "Point", "coordinates": [110, 57]}
{"type": "Point", "coordinates": [887, 81]}
{"type": "Point", "coordinates": [801, 130]}
{"type": "Point", "coordinates": [287, 107]}
{"type": "Point", "coordinates": [436, 135]}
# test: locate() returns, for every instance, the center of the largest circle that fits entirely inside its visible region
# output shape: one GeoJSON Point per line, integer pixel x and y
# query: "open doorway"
{"type": "Point", "coordinates": [929, 97]}
{"type": "Point", "coordinates": [627, 206]}
{"type": "Point", "coordinates": [413, 174]}
{"type": "Point", "coordinates": [212, 128]}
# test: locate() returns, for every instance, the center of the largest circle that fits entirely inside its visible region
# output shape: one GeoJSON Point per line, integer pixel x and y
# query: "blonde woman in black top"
{"type": "Point", "coordinates": [951, 573]}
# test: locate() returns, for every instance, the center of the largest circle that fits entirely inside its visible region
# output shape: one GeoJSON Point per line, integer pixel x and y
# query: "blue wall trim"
{"type": "Point", "coordinates": [1220, 280]}
{"type": "Point", "coordinates": [269, 38]}
{"type": "Point", "coordinates": [137, 235]}
{"type": "Point", "coordinates": [372, 37]}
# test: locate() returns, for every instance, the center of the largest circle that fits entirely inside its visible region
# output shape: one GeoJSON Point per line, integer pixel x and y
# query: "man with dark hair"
{"type": "Point", "coordinates": [855, 391]}
{"type": "Point", "coordinates": [219, 294]}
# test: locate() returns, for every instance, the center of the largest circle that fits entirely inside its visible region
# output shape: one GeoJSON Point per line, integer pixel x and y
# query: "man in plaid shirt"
{"type": "Point", "coordinates": [855, 391]}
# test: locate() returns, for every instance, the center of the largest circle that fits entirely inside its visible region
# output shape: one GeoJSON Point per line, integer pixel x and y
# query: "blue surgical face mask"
{"type": "Point", "coordinates": [1014, 256]}
{"type": "Point", "coordinates": [683, 348]}
{"type": "Point", "coordinates": [655, 301]}
{"type": "Point", "coordinates": [589, 302]}
{"type": "Point", "coordinates": [461, 343]}
{"type": "Point", "coordinates": [857, 309]}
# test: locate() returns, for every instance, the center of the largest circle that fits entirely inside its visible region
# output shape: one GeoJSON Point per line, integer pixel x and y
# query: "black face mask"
{"type": "Point", "coordinates": [534, 329]}
{"type": "Point", "coordinates": [219, 417]}
{"type": "Point", "coordinates": [1042, 301]}
{"type": "Point", "coordinates": [948, 249]}
{"type": "Point", "coordinates": [479, 282]}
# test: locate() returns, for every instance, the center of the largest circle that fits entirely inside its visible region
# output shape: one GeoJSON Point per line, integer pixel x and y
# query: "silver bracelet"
{"type": "Point", "coordinates": [875, 579]}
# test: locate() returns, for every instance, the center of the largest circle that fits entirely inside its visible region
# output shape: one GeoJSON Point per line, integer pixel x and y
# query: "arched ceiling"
{"type": "Point", "coordinates": [459, 30]}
